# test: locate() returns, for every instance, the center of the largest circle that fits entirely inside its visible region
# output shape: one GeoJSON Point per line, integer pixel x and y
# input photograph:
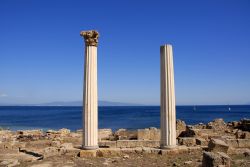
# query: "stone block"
{"type": "Point", "coordinates": [108, 152]}
{"type": "Point", "coordinates": [149, 150]}
{"type": "Point", "coordinates": [107, 144]}
{"type": "Point", "coordinates": [104, 134]}
{"type": "Point", "coordinates": [55, 144]}
{"type": "Point", "coordinates": [237, 151]}
{"type": "Point", "coordinates": [137, 143]}
{"type": "Point", "coordinates": [217, 124]}
{"type": "Point", "coordinates": [143, 134]}
{"type": "Point", "coordinates": [155, 134]}
{"type": "Point", "coordinates": [188, 141]}
{"type": "Point", "coordinates": [244, 143]}
{"type": "Point", "coordinates": [131, 150]}
{"type": "Point", "coordinates": [216, 145]}
{"type": "Point", "coordinates": [211, 159]}
{"type": "Point", "coordinates": [180, 125]}
{"type": "Point", "coordinates": [201, 142]}
{"type": "Point", "coordinates": [87, 153]}
{"type": "Point", "coordinates": [67, 145]}
{"type": "Point", "coordinates": [50, 151]}
{"type": "Point", "coordinates": [124, 134]}
{"type": "Point", "coordinates": [174, 151]}
{"type": "Point", "coordinates": [232, 143]}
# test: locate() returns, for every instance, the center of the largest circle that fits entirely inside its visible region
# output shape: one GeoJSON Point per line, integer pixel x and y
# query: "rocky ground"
{"type": "Point", "coordinates": [214, 144]}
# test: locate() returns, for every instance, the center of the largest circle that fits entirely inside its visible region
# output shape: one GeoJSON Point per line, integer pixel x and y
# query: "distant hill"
{"type": "Point", "coordinates": [79, 103]}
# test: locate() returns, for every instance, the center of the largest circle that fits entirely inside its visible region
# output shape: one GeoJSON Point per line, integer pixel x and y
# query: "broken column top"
{"type": "Point", "coordinates": [90, 37]}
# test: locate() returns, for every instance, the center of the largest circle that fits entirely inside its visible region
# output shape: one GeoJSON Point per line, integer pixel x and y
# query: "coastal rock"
{"type": "Point", "coordinates": [216, 145]}
{"type": "Point", "coordinates": [217, 124]}
{"type": "Point", "coordinates": [244, 124]}
{"type": "Point", "coordinates": [149, 134]}
{"type": "Point", "coordinates": [180, 127]}
{"type": "Point", "coordinates": [30, 135]}
{"type": "Point", "coordinates": [211, 159]}
{"type": "Point", "coordinates": [64, 131]}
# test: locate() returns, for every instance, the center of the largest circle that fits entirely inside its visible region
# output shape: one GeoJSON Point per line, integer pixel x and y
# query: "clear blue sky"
{"type": "Point", "coordinates": [41, 51]}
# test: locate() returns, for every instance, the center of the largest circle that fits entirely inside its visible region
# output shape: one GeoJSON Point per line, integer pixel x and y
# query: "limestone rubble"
{"type": "Point", "coordinates": [214, 144]}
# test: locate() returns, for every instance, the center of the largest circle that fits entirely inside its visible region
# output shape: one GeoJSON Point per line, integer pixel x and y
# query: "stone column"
{"type": "Point", "coordinates": [168, 115]}
{"type": "Point", "coordinates": [90, 99]}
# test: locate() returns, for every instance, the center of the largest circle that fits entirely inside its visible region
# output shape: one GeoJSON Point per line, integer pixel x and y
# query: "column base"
{"type": "Point", "coordinates": [90, 147]}
{"type": "Point", "coordinates": [168, 147]}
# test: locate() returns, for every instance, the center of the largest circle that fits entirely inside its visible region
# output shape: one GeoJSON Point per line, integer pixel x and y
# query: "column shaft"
{"type": "Point", "coordinates": [168, 113]}
{"type": "Point", "coordinates": [90, 106]}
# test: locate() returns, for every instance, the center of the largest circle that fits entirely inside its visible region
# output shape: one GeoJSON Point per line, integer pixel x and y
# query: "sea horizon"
{"type": "Point", "coordinates": [113, 117]}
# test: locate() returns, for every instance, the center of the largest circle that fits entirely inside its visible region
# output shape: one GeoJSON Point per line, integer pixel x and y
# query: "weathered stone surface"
{"type": "Point", "coordinates": [244, 125]}
{"type": "Point", "coordinates": [137, 143]}
{"type": "Point", "coordinates": [64, 131]}
{"type": "Point", "coordinates": [244, 143]}
{"type": "Point", "coordinates": [30, 135]}
{"type": "Point", "coordinates": [180, 127]}
{"type": "Point", "coordinates": [90, 37]}
{"type": "Point", "coordinates": [174, 151]}
{"type": "Point", "coordinates": [6, 136]}
{"type": "Point", "coordinates": [10, 163]}
{"type": "Point", "coordinates": [217, 124]}
{"type": "Point", "coordinates": [124, 134]}
{"type": "Point", "coordinates": [201, 141]}
{"type": "Point", "coordinates": [131, 150]}
{"type": "Point", "coordinates": [55, 144]}
{"type": "Point", "coordinates": [149, 150]}
{"type": "Point", "coordinates": [148, 134]}
{"type": "Point", "coordinates": [87, 153]}
{"type": "Point", "coordinates": [188, 163]}
{"type": "Point", "coordinates": [216, 145]}
{"type": "Point", "coordinates": [67, 145]}
{"type": "Point", "coordinates": [237, 151]}
{"type": "Point", "coordinates": [188, 141]}
{"type": "Point", "coordinates": [50, 151]}
{"type": "Point", "coordinates": [211, 159]}
{"type": "Point", "coordinates": [247, 153]}
{"type": "Point", "coordinates": [108, 144]}
{"type": "Point", "coordinates": [108, 152]}
{"type": "Point", "coordinates": [232, 143]}
{"type": "Point", "coordinates": [242, 134]}
{"type": "Point", "coordinates": [10, 147]}
{"type": "Point", "coordinates": [104, 134]}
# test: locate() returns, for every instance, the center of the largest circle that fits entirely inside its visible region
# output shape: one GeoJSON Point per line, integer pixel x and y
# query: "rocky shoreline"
{"type": "Point", "coordinates": [214, 144]}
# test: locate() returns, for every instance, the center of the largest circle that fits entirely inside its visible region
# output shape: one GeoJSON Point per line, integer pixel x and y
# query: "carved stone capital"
{"type": "Point", "coordinates": [90, 37]}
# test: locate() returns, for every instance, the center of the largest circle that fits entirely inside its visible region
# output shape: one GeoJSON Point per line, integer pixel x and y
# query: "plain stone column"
{"type": "Point", "coordinates": [168, 114]}
{"type": "Point", "coordinates": [90, 98]}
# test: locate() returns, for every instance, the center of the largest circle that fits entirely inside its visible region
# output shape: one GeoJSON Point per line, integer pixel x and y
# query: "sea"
{"type": "Point", "coordinates": [114, 117]}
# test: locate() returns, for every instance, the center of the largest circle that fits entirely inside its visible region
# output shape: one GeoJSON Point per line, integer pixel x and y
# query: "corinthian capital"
{"type": "Point", "coordinates": [90, 37]}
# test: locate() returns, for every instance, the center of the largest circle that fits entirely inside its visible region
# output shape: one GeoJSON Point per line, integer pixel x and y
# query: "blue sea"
{"type": "Point", "coordinates": [129, 117]}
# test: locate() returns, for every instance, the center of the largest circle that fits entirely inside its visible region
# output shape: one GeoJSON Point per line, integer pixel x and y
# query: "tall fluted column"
{"type": "Point", "coordinates": [90, 106]}
{"type": "Point", "coordinates": [168, 115]}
